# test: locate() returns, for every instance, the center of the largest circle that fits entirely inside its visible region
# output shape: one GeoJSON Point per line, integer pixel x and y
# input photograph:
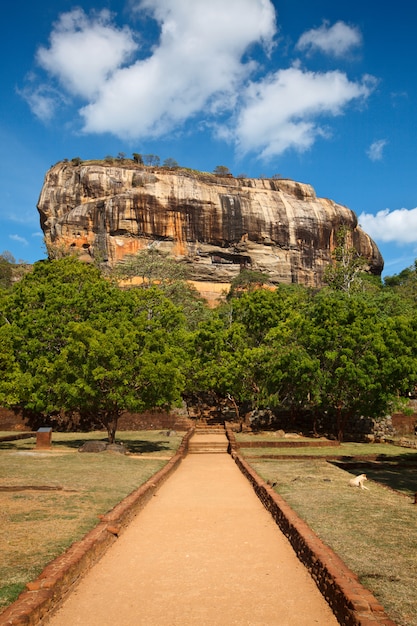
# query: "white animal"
{"type": "Point", "coordinates": [358, 481]}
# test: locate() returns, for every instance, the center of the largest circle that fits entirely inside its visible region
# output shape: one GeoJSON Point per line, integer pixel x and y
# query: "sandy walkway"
{"type": "Point", "coordinates": [203, 552]}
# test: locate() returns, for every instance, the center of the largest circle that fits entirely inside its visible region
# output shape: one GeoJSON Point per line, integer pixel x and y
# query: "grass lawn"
{"type": "Point", "coordinates": [374, 532]}
{"type": "Point", "coordinates": [347, 450]}
{"type": "Point", "coordinates": [38, 525]}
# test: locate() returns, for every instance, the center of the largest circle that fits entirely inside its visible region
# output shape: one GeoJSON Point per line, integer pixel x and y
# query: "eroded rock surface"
{"type": "Point", "coordinates": [216, 225]}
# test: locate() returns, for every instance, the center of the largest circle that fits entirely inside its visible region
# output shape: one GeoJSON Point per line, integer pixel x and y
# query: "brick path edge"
{"type": "Point", "coordinates": [45, 594]}
{"type": "Point", "coordinates": [350, 601]}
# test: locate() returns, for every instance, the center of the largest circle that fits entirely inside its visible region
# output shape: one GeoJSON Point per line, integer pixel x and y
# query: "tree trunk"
{"type": "Point", "coordinates": [236, 408]}
{"type": "Point", "coordinates": [315, 423]}
{"type": "Point", "coordinates": [111, 425]}
{"type": "Point", "coordinates": [339, 423]}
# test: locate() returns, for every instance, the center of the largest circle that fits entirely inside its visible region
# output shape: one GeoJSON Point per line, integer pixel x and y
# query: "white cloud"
{"type": "Point", "coordinates": [376, 149]}
{"type": "Point", "coordinates": [334, 40]}
{"type": "Point", "coordinates": [200, 65]}
{"type": "Point", "coordinates": [42, 100]}
{"type": "Point", "coordinates": [398, 226]}
{"type": "Point", "coordinates": [197, 63]}
{"type": "Point", "coordinates": [281, 111]}
{"type": "Point", "coordinates": [19, 239]}
{"type": "Point", "coordinates": [85, 51]}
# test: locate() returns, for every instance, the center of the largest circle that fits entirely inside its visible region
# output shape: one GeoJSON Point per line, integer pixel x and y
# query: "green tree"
{"type": "Point", "coordinates": [218, 366]}
{"type": "Point", "coordinates": [151, 266]}
{"type": "Point", "coordinates": [137, 158]}
{"type": "Point", "coordinates": [334, 354]}
{"type": "Point", "coordinates": [151, 159]}
{"type": "Point", "coordinates": [287, 374]}
{"type": "Point", "coordinates": [10, 371]}
{"type": "Point", "coordinates": [100, 373]}
{"type": "Point", "coordinates": [77, 344]}
{"type": "Point", "coordinates": [222, 170]}
{"type": "Point", "coordinates": [171, 163]}
{"type": "Point", "coordinates": [404, 284]}
{"type": "Point", "coordinates": [7, 264]}
{"type": "Point", "coordinates": [246, 280]}
{"type": "Point", "coordinates": [186, 297]}
{"type": "Point", "coordinates": [230, 348]}
{"type": "Point", "coordinates": [157, 269]}
{"type": "Point", "coordinates": [367, 359]}
{"type": "Point", "coordinates": [344, 274]}
{"type": "Point", "coordinates": [261, 310]}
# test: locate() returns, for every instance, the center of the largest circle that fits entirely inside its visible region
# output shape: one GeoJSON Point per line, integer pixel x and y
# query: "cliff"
{"type": "Point", "coordinates": [216, 225]}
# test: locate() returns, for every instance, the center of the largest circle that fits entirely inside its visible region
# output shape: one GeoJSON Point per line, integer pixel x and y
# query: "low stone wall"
{"type": "Point", "coordinates": [154, 420]}
{"type": "Point", "coordinates": [359, 428]}
{"type": "Point", "coordinates": [352, 604]}
{"type": "Point", "coordinates": [404, 424]}
{"type": "Point", "coordinates": [59, 577]}
{"type": "Point", "coordinates": [286, 444]}
{"type": "Point", "coordinates": [405, 443]}
{"type": "Point", "coordinates": [148, 420]}
{"type": "Point", "coordinates": [11, 420]}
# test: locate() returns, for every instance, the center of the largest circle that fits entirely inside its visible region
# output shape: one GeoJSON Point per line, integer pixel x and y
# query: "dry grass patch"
{"type": "Point", "coordinates": [347, 450]}
{"type": "Point", "coordinates": [38, 525]}
{"type": "Point", "coordinates": [373, 531]}
{"type": "Point", "coordinates": [270, 435]}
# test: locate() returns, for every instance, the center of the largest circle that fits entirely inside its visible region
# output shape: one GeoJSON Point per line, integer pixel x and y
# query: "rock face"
{"type": "Point", "coordinates": [217, 225]}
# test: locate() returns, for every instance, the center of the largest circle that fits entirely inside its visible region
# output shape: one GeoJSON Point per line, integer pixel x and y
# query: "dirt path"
{"type": "Point", "coordinates": [202, 552]}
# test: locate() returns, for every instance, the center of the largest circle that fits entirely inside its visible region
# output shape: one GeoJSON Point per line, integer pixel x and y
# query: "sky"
{"type": "Point", "coordinates": [322, 92]}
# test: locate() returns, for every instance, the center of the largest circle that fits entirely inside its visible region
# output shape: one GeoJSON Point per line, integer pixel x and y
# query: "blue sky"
{"type": "Point", "coordinates": [323, 92]}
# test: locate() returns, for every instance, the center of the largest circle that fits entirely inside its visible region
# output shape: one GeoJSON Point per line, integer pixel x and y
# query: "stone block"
{"type": "Point", "coordinates": [43, 438]}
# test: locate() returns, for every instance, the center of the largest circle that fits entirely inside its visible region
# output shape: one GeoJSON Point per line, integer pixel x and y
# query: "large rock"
{"type": "Point", "coordinates": [93, 446]}
{"type": "Point", "coordinates": [216, 225]}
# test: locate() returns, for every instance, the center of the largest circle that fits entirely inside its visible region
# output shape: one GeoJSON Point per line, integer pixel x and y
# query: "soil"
{"type": "Point", "coordinates": [203, 551]}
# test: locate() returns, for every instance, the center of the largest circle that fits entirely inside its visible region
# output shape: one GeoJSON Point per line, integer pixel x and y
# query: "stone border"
{"type": "Point", "coordinates": [45, 594]}
{"type": "Point", "coordinates": [350, 601]}
{"type": "Point", "coordinates": [352, 604]}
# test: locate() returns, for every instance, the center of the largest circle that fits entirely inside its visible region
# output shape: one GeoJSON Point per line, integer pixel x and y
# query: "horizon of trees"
{"type": "Point", "coordinates": [78, 349]}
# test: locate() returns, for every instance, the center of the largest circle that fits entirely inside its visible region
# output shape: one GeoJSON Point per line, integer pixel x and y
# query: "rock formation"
{"type": "Point", "coordinates": [217, 225]}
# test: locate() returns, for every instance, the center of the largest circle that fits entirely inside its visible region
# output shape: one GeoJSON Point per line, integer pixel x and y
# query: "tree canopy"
{"type": "Point", "coordinates": [77, 348]}
{"type": "Point", "coordinates": [76, 343]}
{"type": "Point", "coordinates": [346, 270]}
{"type": "Point", "coordinates": [151, 266]}
{"type": "Point", "coordinates": [334, 353]}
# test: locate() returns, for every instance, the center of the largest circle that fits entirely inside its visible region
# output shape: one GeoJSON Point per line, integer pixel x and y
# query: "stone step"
{"type": "Point", "coordinates": [209, 431]}
{"type": "Point", "coordinates": [207, 447]}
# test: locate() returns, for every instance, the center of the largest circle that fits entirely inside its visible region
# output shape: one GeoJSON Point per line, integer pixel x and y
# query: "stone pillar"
{"type": "Point", "coordinates": [43, 438]}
